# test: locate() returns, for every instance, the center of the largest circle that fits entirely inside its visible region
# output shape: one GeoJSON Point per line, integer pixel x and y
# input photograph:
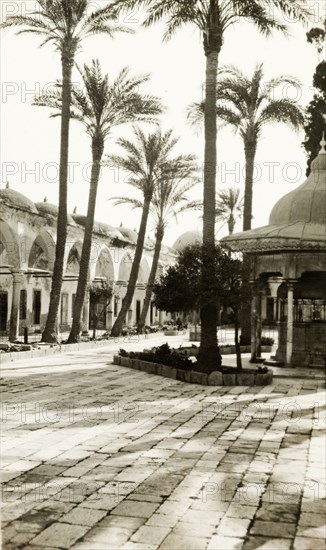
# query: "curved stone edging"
{"type": "Point", "coordinates": [216, 378]}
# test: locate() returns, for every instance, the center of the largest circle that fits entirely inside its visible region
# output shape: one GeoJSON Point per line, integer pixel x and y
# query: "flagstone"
{"type": "Point", "coordinates": [164, 465]}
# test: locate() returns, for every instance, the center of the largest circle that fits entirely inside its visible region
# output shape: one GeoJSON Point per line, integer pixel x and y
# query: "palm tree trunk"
{"type": "Point", "coordinates": [97, 152]}
{"type": "Point", "coordinates": [250, 153]}
{"type": "Point", "coordinates": [126, 302]}
{"type": "Point", "coordinates": [209, 357]}
{"type": "Point", "coordinates": [50, 332]}
{"type": "Point", "coordinates": [151, 278]}
{"type": "Point", "coordinates": [231, 224]}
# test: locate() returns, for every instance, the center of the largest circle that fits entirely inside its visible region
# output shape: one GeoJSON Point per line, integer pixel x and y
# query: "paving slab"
{"type": "Point", "coordinates": [96, 456]}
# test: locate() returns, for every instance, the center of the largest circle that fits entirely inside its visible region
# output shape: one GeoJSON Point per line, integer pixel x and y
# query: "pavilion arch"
{"type": "Point", "coordinates": [143, 273]}
{"type": "Point", "coordinates": [9, 248]}
{"type": "Point", "coordinates": [42, 253]}
{"type": "Point", "coordinates": [73, 256]}
{"type": "Point", "coordinates": [103, 266]}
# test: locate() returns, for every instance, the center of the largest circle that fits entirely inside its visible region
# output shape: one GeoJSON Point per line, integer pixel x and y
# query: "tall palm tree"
{"type": "Point", "coordinates": [213, 18]}
{"type": "Point", "coordinates": [169, 200]}
{"type": "Point", "coordinates": [144, 160]}
{"type": "Point", "coordinates": [100, 106]}
{"type": "Point", "coordinates": [229, 206]}
{"type": "Point", "coordinates": [64, 24]}
{"type": "Point", "coordinates": [248, 105]}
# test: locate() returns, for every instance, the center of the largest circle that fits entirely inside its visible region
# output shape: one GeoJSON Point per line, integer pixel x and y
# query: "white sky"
{"type": "Point", "coordinates": [30, 139]}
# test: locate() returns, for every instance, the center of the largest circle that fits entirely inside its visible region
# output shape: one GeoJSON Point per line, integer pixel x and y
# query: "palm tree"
{"type": "Point", "coordinates": [213, 18]}
{"type": "Point", "coordinates": [64, 24]}
{"type": "Point", "coordinates": [229, 207]}
{"type": "Point", "coordinates": [100, 106]}
{"type": "Point", "coordinates": [248, 105]}
{"type": "Point", "coordinates": [169, 200]}
{"type": "Point", "coordinates": [145, 158]}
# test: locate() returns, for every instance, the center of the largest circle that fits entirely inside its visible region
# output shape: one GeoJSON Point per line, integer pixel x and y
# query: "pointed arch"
{"type": "Point", "coordinates": [9, 248]}
{"type": "Point", "coordinates": [42, 253]}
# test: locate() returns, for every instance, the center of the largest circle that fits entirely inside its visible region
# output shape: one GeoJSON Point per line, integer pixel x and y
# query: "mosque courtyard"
{"type": "Point", "coordinates": [97, 456]}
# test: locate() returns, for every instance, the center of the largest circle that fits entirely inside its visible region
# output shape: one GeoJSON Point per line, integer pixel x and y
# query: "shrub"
{"type": "Point", "coordinates": [162, 355]}
{"type": "Point", "coordinates": [267, 341]}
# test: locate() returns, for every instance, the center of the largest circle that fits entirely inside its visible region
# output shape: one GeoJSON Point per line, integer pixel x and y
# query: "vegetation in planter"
{"type": "Point", "coordinates": [180, 288]}
{"type": "Point", "coordinates": [152, 329]}
{"type": "Point", "coordinates": [267, 341]}
{"type": "Point", "coordinates": [163, 355]}
{"type": "Point", "coordinates": [128, 331]}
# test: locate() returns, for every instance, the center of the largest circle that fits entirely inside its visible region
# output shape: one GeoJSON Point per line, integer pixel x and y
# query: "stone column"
{"type": "Point", "coordinates": [160, 317]}
{"type": "Point", "coordinates": [258, 323]}
{"type": "Point", "coordinates": [129, 314]}
{"type": "Point", "coordinates": [289, 327]}
{"type": "Point", "coordinates": [109, 319]}
{"type": "Point", "coordinates": [275, 316]}
{"type": "Point", "coordinates": [85, 316]}
{"type": "Point", "coordinates": [18, 279]}
{"type": "Point", "coordinates": [274, 283]}
{"type": "Point", "coordinates": [253, 323]}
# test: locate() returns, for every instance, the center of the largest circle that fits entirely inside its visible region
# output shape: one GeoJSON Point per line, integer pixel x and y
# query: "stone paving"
{"type": "Point", "coordinates": [96, 456]}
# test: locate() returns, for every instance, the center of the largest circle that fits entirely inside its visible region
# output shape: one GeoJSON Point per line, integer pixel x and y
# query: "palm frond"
{"type": "Point", "coordinates": [283, 110]}
{"type": "Point", "coordinates": [134, 203]}
{"type": "Point", "coordinates": [196, 113]}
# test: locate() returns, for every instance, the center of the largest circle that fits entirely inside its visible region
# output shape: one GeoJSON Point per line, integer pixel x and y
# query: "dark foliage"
{"type": "Point", "coordinates": [180, 288]}
{"type": "Point", "coordinates": [163, 355]}
{"type": "Point", "coordinates": [315, 123]}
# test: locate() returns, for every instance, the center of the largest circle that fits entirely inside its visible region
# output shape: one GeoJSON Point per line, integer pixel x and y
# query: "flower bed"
{"type": "Point", "coordinates": [181, 365]}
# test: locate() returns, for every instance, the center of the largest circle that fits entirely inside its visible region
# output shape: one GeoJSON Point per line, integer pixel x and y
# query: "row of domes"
{"type": "Point", "coordinates": [18, 200]}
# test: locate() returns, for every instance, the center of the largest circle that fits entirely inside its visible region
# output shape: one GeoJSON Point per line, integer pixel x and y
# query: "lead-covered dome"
{"type": "Point", "coordinates": [47, 208]}
{"type": "Point", "coordinates": [307, 203]}
{"type": "Point", "coordinates": [186, 239]}
{"type": "Point", "coordinates": [17, 200]}
{"type": "Point", "coordinates": [297, 221]}
{"type": "Point", "coordinates": [128, 234]}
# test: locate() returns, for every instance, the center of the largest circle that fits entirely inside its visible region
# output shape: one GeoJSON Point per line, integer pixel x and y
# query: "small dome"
{"type": "Point", "coordinates": [186, 239]}
{"type": "Point", "coordinates": [100, 228]}
{"type": "Point", "coordinates": [46, 208]}
{"type": "Point", "coordinates": [17, 200]}
{"type": "Point", "coordinates": [307, 203]}
{"type": "Point", "coordinates": [128, 234]}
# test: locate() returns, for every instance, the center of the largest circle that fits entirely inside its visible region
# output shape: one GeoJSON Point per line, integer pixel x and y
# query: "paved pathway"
{"type": "Point", "coordinates": [97, 456]}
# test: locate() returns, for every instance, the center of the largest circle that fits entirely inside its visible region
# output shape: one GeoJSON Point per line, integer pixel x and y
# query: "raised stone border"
{"type": "Point", "coordinates": [46, 350]}
{"type": "Point", "coordinates": [216, 378]}
{"type": "Point", "coordinates": [173, 332]}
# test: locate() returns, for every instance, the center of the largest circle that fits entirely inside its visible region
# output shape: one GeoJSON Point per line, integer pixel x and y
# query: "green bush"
{"type": "Point", "coordinates": [163, 355]}
{"type": "Point", "coordinates": [267, 341]}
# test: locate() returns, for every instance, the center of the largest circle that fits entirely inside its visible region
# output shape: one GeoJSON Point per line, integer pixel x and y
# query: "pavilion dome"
{"type": "Point", "coordinates": [186, 239]}
{"type": "Point", "coordinates": [17, 200]}
{"type": "Point", "coordinates": [307, 203]}
{"type": "Point", "coordinates": [297, 221]}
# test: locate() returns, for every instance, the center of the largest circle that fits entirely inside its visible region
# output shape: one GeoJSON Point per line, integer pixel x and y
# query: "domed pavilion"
{"type": "Point", "coordinates": [288, 263]}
